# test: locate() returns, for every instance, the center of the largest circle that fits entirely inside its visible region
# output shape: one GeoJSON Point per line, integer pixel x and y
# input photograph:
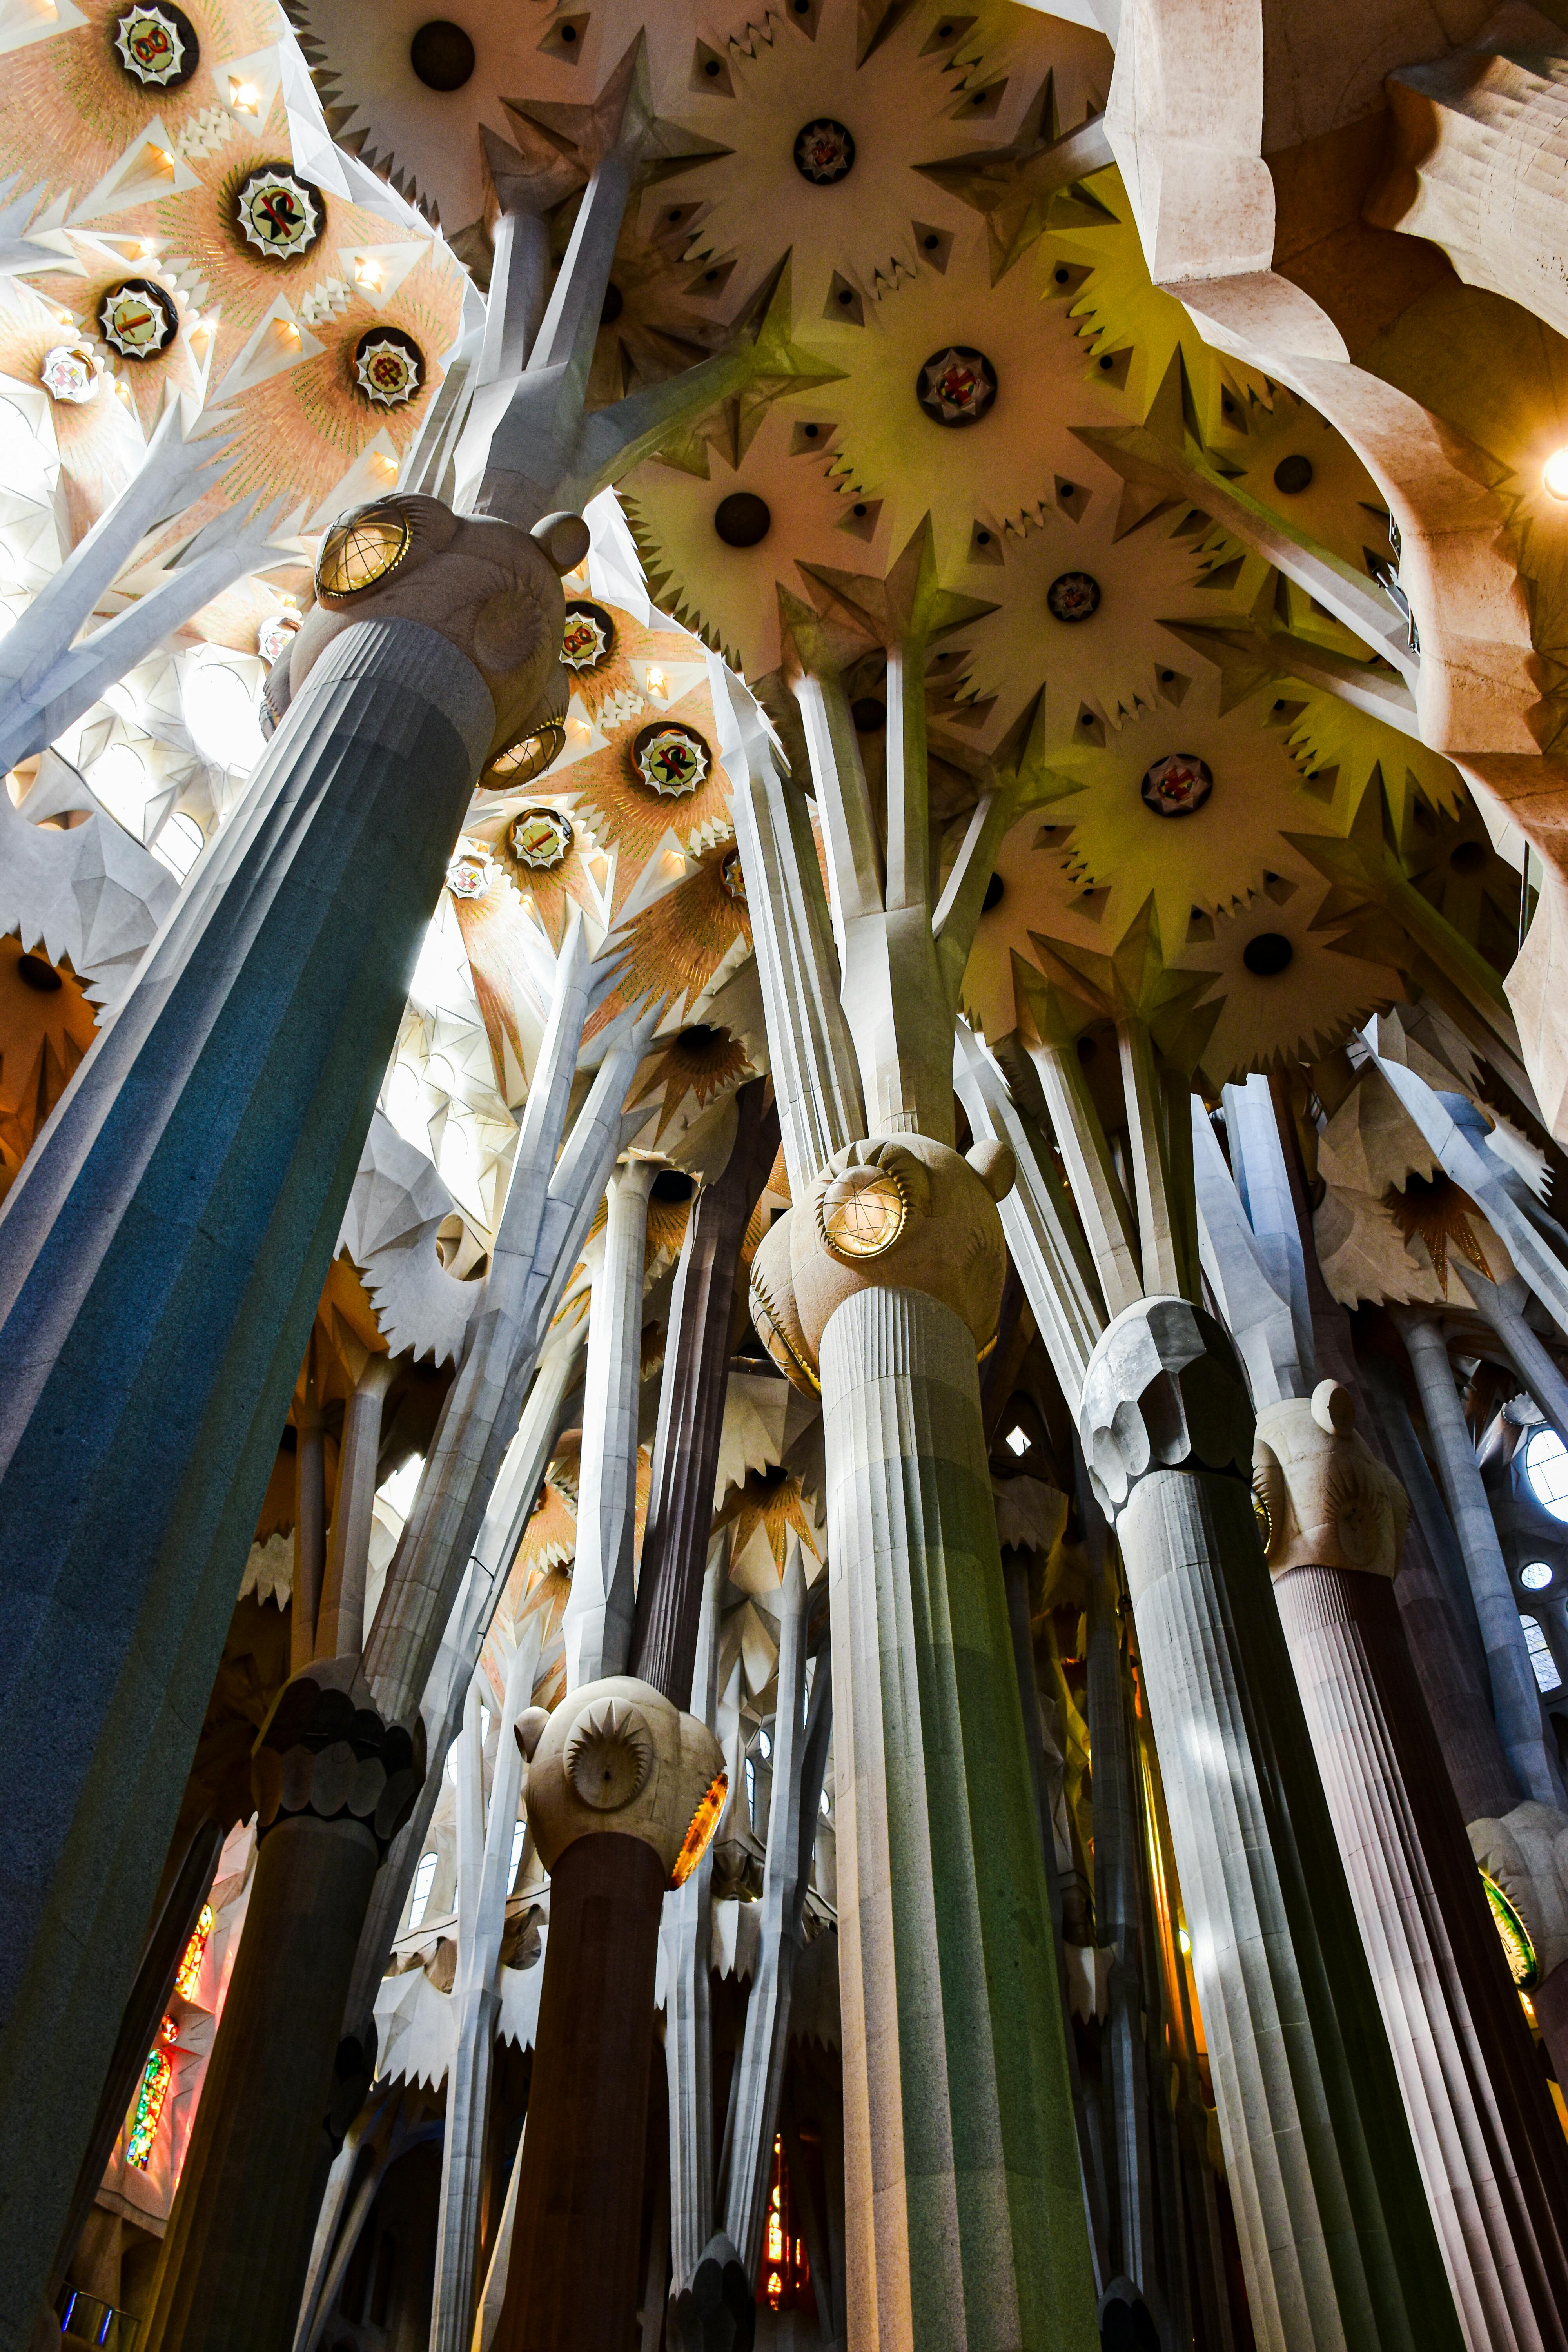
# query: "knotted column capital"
{"type": "Point", "coordinates": [889, 1213]}
{"type": "Point", "coordinates": [617, 1758]}
{"type": "Point", "coordinates": [1163, 1392]}
{"type": "Point", "coordinates": [325, 1751]}
{"type": "Point", "coordinates": [1322, 1497]}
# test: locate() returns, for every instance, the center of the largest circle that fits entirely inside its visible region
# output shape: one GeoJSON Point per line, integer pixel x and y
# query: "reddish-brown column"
{"type": "Point", "coordinates": [575, 2275]}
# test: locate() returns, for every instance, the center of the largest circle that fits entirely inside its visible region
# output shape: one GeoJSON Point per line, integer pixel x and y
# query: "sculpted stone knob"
{"type": "Point", "coordinates": [617, 1757]}
{"type": "Point", "coordinates": [893, 1213]}
{"type": "Point", "coordinates": [1324, 1498]}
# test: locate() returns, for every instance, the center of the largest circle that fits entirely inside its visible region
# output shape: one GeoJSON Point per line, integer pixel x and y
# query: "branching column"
{"type": "Point", "coordinates": [598, 1620]}
{"type": "Point", "coordinates": [1488, 2145]}
{"type": "Point", "coordinates": [963, 2206]}
{"type": "Point", "coordinates": [1336, 2239]}
{"type": "Point", "coordinates": [1516, 1700]}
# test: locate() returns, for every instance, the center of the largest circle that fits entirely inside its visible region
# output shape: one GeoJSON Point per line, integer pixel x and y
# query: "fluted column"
{"type": "Point", "coordinates": [483, 1884]}
{"type": "Point", "coordinates": [161, 1258]}
{"type": "Point", "coordinates": [331, 1785]}
{"type": "Point", "coordinates": [754, 2100]}
{"type": "Point", "coordinates": [597, 1625]}
{"type": "Point", "coordinates": [691, 1399]}
{"type": "Point", "coordinates": [687, 1932]}
{"type": "Point", "coordinates": [1490, 2150]}
{"type": "Point", "coordinates": [964, 2207]}
{"type": "Point", "coordinates": [1516, 1700]}
{"type": "Point", "coordinates": [1336, 2241]}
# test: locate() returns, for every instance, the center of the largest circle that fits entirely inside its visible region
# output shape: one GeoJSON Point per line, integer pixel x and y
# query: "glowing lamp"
{"type": "Point", "coordinates": [1555, 475]}
{"type": "Point", "coordinates": [704, 1821]}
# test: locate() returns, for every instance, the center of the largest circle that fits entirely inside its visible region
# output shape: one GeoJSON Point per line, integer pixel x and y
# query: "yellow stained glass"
{"type": "Point", "coordinates": [356, 554]}
{"type": "Point", "coordinates": [862, 1216]}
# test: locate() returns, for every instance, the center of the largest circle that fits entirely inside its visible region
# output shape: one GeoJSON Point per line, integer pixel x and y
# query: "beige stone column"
{"type": "Point", "coordinates": [1492, 2153]}
{"type": "Point", "coordinates": [963, 2206]}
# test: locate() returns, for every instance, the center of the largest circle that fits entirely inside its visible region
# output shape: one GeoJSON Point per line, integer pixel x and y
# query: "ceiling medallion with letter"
{"type": "Point", "coordinates": [670, 760]}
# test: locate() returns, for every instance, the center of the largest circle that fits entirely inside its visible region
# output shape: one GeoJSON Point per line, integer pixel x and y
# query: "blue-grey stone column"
{"type": "Point", "coordinates": [161, 1256]}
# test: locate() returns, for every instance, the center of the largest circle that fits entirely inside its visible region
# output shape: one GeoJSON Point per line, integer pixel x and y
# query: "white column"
{"type": "Point", "coordinates": [597, 1625]}
{"type": "Point", "coordinates": [1516, 1701]}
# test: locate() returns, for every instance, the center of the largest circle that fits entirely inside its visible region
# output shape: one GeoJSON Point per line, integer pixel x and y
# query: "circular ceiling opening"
{"type": "Point", "coordinates": [1293, 474]}
{"type": "Point", "coordinates": [824, 152]}
{"type": "Point", "coordinates": [1467, 857]}
{"type": "Point", "coordinates": [614, 303]}
{"type": "Point", "coordinates": [441, 55]}
{"type": "Point", "coordinates": [1268, 955]}
{"type": "Point", "coordinates": [673, 1184]}
{"type": "Point", "coordinates": [742, 519]}
{"type": "Point", "coordinates": [870, 715]}
{"type": "Point", "coordinates": [994, 891]}
{"type": "Point", "coordinates": [956, 386]}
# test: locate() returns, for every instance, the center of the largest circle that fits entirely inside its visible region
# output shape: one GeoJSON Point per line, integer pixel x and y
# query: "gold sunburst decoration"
{"type": "Point", "coordinates": [1434, 1210]}
{"type": "Point", "coordinates": [675, 948]}
{"type": "Point", "coordinates": [546, 827]}
{"type": "Point", "coordinates": [697, 1063]}
{"type": "Point", "coordinates": [773, 1503]}
{"type": "Point", "coordinates": [45, 1026]}
{"type": "Point", "coordinates": [605, 648]}
{"type": "Point", "coordinates": [626, 815]}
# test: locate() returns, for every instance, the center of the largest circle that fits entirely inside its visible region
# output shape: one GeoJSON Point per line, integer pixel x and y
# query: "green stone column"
{"type": "Point", "coordinates": [963, 2199]}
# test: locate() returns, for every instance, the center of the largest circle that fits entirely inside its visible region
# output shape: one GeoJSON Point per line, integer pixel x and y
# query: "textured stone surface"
{"type": "Point", "coordinates": [963, 2208]}
{"type": "Point", "coordinates": [220, 2286]}
{"type": "Point", "coordinates": [597, 1625]}
{"type": "Point", "coordinates": [573, 2276]}
{"type": "Point", "coordinates": [161, 1258]}
{"type": "Point", "coordinates": [1336, 2239]}
{"type": "Point", "coordinates": [1490, 2149]}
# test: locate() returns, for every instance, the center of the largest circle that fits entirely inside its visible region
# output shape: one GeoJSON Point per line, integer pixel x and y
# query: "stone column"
{"type": "Point", "coordinates": [622, 1793]}
{"type": "Point", "coordinates": [483, 1884]}
{"type": "Point", "coordinates": [1502, 1304]}
{"type": "Point", "coordinates": [331, 1785]}
{"type": "Point", "coordinates": [309, 1522]}
{"type": "Point", "coordinates": [1516, 1701]}
{"type": "Point", "coordinates": [754, 2099]}
{"type": "Point", "coordinates": [339, 1624]}
{"type": "Point", "coordinates": [162, 1254]}
{"type": "Point", "coordinates": [963, 2205]}
{"type": "Point", "coordinates": [686, 1929]}
{"type": "Point", "coordinates": [691, 1405]}
{"type": "Point", "coordinates": [1490, 2149]}
{"type": "Point", "coordinates": [597, 1625]}
{"type": "Point", "coordinates": [1336, 2241]}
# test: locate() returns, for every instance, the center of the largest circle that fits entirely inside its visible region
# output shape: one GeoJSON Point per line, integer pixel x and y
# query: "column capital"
{"type": "Point", "coordinates": [1163, 1392]}
{"type": "Point", "coordinates": [1322, 1497]}
{"type": "Point", "coordinates": [889, 1213]}
{"type": "Point", "coordinates": [491, 590]}
{"type": "Point", "coordinates": [326, 1751]}
{"type": "Point", "coordinates": [617, 1758]}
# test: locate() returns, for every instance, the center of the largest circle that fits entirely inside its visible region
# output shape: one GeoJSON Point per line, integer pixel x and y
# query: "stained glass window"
{"type": "Point", "coordinates": [188, 1974]}
{"type": "Point", "coordinates": [152, 2092]}
{"type": "Point", "coordinates": [785, 2282]}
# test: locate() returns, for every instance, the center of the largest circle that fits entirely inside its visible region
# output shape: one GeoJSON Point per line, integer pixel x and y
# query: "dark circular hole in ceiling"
{"type": "Point", "coordinates": [441, 55]}
{"type": "Point", "coordinates": [1293, 474]}
{"type": "Point", "coordinates": [615, 303]}
{"type": "Point", "coordinates": [994, 891]}
{"type": "Point", "coordinates": [1268, 955]}
{"type": "Point", "coordinates": [1467, 857]}
{"type": "Point", "coordinates": [673, 1184]}
{"type": "Point", "coordinates": [33, 971]}
{"type": "Point", "coordinates": [868, 714]}
{"type": "Point", "coordinates": [742, 519]}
